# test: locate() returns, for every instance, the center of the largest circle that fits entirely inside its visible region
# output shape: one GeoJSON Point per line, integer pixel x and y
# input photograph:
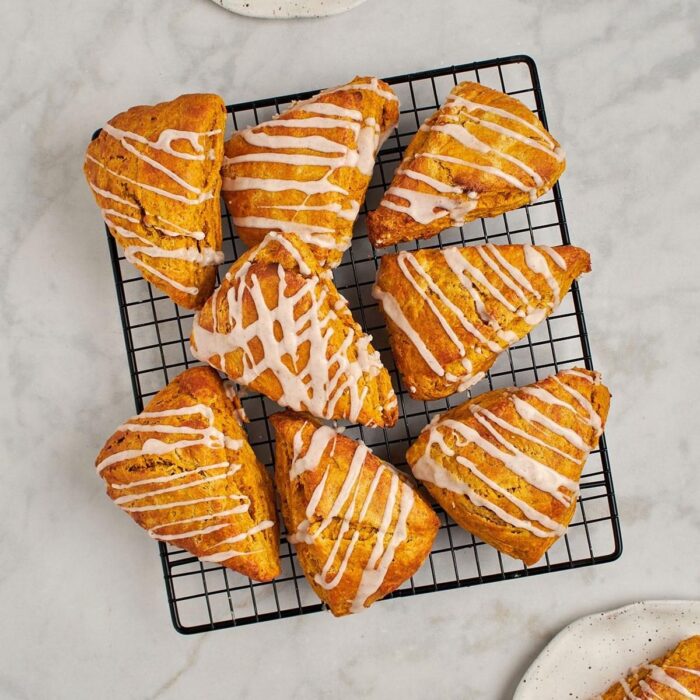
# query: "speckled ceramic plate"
{"type": "Point", "coordinates": [590, 654]}
{"type": "Point", "coordinates": [285, 9]}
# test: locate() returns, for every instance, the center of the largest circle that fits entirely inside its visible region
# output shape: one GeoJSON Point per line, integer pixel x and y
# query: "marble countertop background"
{"type": "Point", "coordinates": [83, 612]}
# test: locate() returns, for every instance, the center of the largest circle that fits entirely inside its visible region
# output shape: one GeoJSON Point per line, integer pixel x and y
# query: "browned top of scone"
{"type": "Point", "coordinates": [451, 311]}
{"type": "Point", "coordinates": [515, 447]}
{"type": "Point", "coordinates": [155, 174]}
{"type": "Point", "coordinates": [308, 353]}
{"type": "Point", "coordinates": [348, 513]}
{"type": "Point", "coordinates": [482, 153]}
{"type": "Point", "coordinates": [298, 145]}
{"type": "Point", "coordinates": [664, 677]}
{"type": "Point", "coordinates": [184, 471]}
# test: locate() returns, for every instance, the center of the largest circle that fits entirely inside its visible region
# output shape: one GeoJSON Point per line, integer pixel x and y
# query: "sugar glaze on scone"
{"type": "Point", "coordinates": [452, 311]}
{"type": "Point", "coordinates": [278, 324]}
{"type": "Point", "coordinates": [506, 465]}
{"type": "Point", "coordinates": [481, 154]}
{"type": "Point", "coordinates": [184, 471]}
{"type": "Point", "coordinates": [154, 172]}
{"type": "Point", "coordinates": [675, 676]}
{"type": "Point", "coordinates": [306, 171]}
{"type": "Point", "coordinates": [359, 528]}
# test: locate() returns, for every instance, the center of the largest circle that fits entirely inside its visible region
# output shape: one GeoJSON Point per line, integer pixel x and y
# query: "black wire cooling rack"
{"type": "Point", "coordinates": [204, 596]}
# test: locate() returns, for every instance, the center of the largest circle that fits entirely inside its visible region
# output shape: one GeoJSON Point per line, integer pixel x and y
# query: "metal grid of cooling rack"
{"type": "Point", "coordinates": [204, 596]}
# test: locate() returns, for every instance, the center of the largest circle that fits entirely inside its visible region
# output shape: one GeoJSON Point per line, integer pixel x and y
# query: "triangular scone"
{"type": "Point", "coordinates": [672, 677]}
{"type": "Point", "coordinates": [278, 325]}
{"type": "Point", "coordinates": [307, 171]}
{"type": "Point", "coordinates": [451, 311]}
{"type": "Point", "coordinates": [184, 471]}
{"type": "Point", "coordinates": [360, 529]}
{"type": "Point", "coordinates": [155, 174]}
{"type": "Point", "coordinates": [506, 465]}
{"type": "Point", "coordinates": [481, 154]}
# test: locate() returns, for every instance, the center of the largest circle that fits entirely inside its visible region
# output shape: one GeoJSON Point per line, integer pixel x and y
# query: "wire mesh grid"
{"type": "Point", "coordinates": [204, 596]}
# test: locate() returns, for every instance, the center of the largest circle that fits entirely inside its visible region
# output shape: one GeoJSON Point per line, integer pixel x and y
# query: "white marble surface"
{"type": "Point", "coordinates": [82, 606]}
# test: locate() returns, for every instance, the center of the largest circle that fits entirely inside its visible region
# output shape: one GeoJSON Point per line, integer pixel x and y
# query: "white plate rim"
{"type": "Point", "coordinates": [528, 681]}
{"type": "Point", "coordinates": [270, 9]}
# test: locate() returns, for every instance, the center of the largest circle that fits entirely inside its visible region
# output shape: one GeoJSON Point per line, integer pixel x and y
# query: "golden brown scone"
{"type": "Point", "coordinates": [675, 676]}
{"type": "Point", "coordinates": [359, 527]}
{"type": "Point", "coordinates": [481, 154]}
{"type": "Point", "coordinates": [506, 465]}
{"type": "Point", "coordinates": [184, 471]}
{"type": "Point", "coordinates": [278, 324]}
{"type": "Point", "coordinates": [307, 171]}
{"type": "Point", "coordinates": [155, 174]}
{"type": "Point", "coordinates": [452, 311]}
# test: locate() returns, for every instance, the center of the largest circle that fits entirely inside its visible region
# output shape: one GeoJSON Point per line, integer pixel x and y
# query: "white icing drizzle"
{"type": "Point", "coordinates": [202, 197]}
{"type": "Point", "coordinates": [327, 376]}
{"type": "Point", "coordinates": [393, 310]}
{"type": "Point", "coordinates": [422, 206]}
{"type": "Point", "coordinates": [471, 106]}
{"type": "Point", "coordinates": [326, 153]}
{"type": "Point", "coordinates": [559, 261]}
{"type": "Point", "coordinates": [428, 469]}
{"type": "Point", "coordinates": [419, 206]}
{"type": "Point", "coordinates": [372, 86]}
{"type": "Point", "coordinates": [538, 475]}
{"type": "Point", "coordinates": [693, 672]}
{"type": "Point", "coordinates": [583, 375]}
{"type": "Point", "coordinates": [208, 436]}
{"type": "Point", "coordinates": [467, 275]}
{"type": "Point", "coordinates": [316, 123]}
{"type": "Point", "coordinates": [204, 257]}
{"type": "Point", "coordinates": [135, 254]}
{"type": "Point", "coordinates": [538, 264]}
{"type": "Point", "coordinates": [529, 413]}
{"type": "Point", "coordinates": [484, 416]}
{"type": "Point", "coordinates": [657, 674]}
{"type": "Point", "coordinates": [312, 457]}
{"type": "Point", "coordinates": [345, 503]}
{"type": "Point", "coordinates": [230, 553]}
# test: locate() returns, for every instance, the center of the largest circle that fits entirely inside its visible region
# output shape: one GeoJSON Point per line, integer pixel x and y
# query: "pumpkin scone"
{"type": "Point", "coordinates": [506, 465]}
{"type": "Point", "coordinates": [481, 154]}
{"type": "Point", "coordinates": [452, 311]}
{"type": "Point", "coordinates": [307, 170]}
{"type": "Point", "coordinates": [360, 529]}
{"type": "Point", "coordinates": [155, 174]}
{"type": "Point", "coordinates": [675, 676]}
{"type": "Point", "coordinates": [184, 471]}
{"type": "Point", "coordinates": [278, 325]}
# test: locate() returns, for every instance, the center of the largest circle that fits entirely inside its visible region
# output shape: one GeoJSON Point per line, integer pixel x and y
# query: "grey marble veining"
{"type": "Point", "coordinates": [81, 596]}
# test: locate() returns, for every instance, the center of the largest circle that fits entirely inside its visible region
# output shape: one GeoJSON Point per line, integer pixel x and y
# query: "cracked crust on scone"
{"type": "Point", "coordinates": [481, 154]}
{"type": "Point", "coordinates": [155, 174]}
{"type": "Point", "coordinates": [506, 465]}
{"type": "Point", "coordinates": [359, 527]}
{"type": "Point", "coordinates": [451, 311]}
{"type": "Point", "coordinates": [307, 170]}
{"type": "Point", "coordinates": [278, 325]}
{"type": "Point", "coordinates": [184, 471]}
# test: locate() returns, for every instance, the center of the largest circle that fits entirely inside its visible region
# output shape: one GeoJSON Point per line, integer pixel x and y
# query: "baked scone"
{"type": "Point", "coordinates": [506, 465]}
{"type": "Point", "coordinates": [360, 529]}
{"type": "Point", "coordinates": [452, 311]}
{"type": "Point", "coordinates": [155, 174]}
{"type": "Point", "coordinates": [675, 676]}
{"type": "Point", "coordinates": [307, 171]}
{"type": "Point", "coordinates": [481, 154]}
{"type": "Point", "coordinates": [278, 325]}
{"type": "Point", "coordinates": [184, 471]}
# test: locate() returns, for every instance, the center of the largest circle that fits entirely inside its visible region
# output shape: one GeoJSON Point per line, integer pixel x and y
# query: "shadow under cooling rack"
{"type": "Point", "coordinates": [206, 596]}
